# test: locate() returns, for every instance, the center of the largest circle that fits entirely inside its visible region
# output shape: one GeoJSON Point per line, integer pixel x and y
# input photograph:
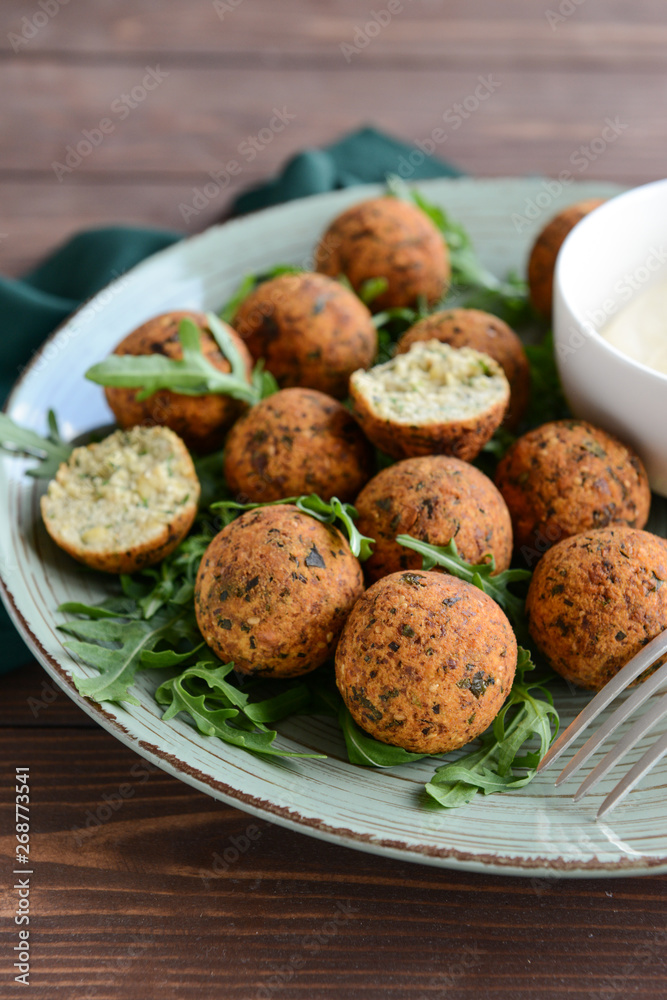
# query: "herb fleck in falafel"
{"type": "Point", "coordinates": [596, 599]}
{"type": "Point", "coordinates": [273, 591]}
{"type": "Point", "coordinates": [310, 330]}
{"type": "Point", "coordinates": [392, 239]}
{"type": "Point", "coordinates": [568, 476]}
{"type": "Point", "coordinates": [434, 498]}
{"type": "Point", "coordinates": [297, 441]}
{"type": "Point", "coordinates": [425, 661]}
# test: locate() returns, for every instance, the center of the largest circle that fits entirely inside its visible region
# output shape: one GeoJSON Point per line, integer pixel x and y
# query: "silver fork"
{"type": "Point", "coordinates": [636, 666]}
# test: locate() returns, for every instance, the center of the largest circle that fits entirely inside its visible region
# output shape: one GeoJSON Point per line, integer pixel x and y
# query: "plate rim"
{"type": "Point", "coordinates": [445, 857]}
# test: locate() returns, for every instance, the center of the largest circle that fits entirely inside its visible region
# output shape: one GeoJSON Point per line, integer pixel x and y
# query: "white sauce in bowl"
{"type": "Point", "coordinates": [640, 328]}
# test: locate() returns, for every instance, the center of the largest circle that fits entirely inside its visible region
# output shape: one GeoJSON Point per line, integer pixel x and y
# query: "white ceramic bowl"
{"type": "Point", "coordinates": [610, 256]}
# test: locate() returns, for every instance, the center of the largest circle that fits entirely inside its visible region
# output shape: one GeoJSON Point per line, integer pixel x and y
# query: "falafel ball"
{"type": "Point", "coordinates": [425, 661]}
{"type": "Point", "coordinates": [435, 399]}
{"type": "Point", "coordinates": [311, 331]}
{"type": "Point", "coordinates": [434, 498]}
{"type": "Point", "coordinates": [486, 333]}
{"type": "Point", "coordinates": [294, 442]}
{"type": "Point", "coordinates": [273, 591]}
{"type": "Point", "coordinates": [568, 476]}
{"type": "Point", "coordinates": [392, 239]}
{"type": "Point", "coordinates": [542, 260]}
{"type": "Point", "coordinates": [201, 421]}
{"type": "Point", "coordinates": [596, 599]}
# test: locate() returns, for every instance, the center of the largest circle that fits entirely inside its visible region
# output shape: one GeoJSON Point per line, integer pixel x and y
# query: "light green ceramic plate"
{"type": "Point", "coordinates": [534, 831]}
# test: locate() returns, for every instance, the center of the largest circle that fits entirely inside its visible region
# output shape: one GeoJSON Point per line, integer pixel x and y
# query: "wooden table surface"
{"type": "Point", "coordinates": [138, 906]}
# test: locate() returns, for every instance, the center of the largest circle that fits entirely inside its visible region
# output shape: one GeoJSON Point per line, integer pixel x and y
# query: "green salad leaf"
{"type": "Point", "coordinates": [547, 400]}
{"type": "Point", "coordinates": [472, 284]}
{"type": "Point", "coordinates": [49, 450]}
{"type": "Point", "coordinates": [328, 511]}
{"type": "Point", "coordinates": [483, 575]}
{"type": "Point", "coordinates": [248, 284]}
{"type": "Point", "coordinates": [527, 722]}
{"type": "Point", "coordinates": [219, 708]}
{"type": "Point", "coordinates": [116, 647]}
{"type": "Point", "coordinates": [193, 375]}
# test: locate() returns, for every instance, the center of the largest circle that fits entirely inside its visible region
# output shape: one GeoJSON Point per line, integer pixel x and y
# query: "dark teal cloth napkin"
{"type": "Point", "coordinates": [32, 306]}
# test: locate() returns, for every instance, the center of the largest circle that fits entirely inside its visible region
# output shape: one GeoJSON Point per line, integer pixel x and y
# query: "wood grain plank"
{"type": "Point", "coordinates": [509, 32]}
{"type": "Point", "coordinates": [196, 119]}
{"type": "Point", "coordinates": [191, 898]}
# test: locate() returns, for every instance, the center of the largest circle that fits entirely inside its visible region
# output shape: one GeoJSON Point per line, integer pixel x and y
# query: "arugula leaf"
{"type": "Point", "coordinates": [481, 575]}
{"type": "Point", "coordinates": [367, 751]}
{"type": "Point", "coordinates": [193, 375]}
{"type": "Point", "coordinates": [50, 450]}
{"type": "Point", "coordinates": [329, 512]}
{"type": "Point", "coordinates": [203, 692]}
{"type": "Point", "coordinates": [372, 289]}
{"type": "Point", "coordinates": [248, 284]}
{"type": "Point", "coordinates": [527, 716]}
{"type": "Point", "coordinates": [547, 401]}
{"type": "Point", "coordinates": [472, 285]}
{"type": "Point", "coordinates": [125, 642]}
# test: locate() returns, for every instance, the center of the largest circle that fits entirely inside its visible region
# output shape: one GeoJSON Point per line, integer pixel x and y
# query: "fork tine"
{"type": "Point", "coordinates": [641, 726]}
{"type": "Point", "coordinates": [634, 776]}
{"type": "Point", "coordinates": [632, 669]}
{"type": "Point", "coordinates": [623, 712]}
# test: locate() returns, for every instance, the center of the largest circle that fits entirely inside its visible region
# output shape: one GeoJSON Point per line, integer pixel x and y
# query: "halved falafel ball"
{"type": "Point", "coordinates": [434, 498]}
{"type": "Point", "coordinates": [425, 661]}
{"type": "Point", "coordinates": [542, 260]}
{"type": "Point", "coordinates": [125, 502]}
{"type": "Point", "coordinates": [596, 599]}
{"type": "Point", "coordinates": [566, 477]}
{"type": "Point", "coordinates": [483, 332]}
{"type": "Point", "coordinates": [435, 399]}
{"type": "Point", "coordinates": [392, 239]}
{"type": "Point", "coordinates": [273, 591]}
{"type": "Point", "coordinates": [201, 421]}
{"type": "Point", "coordinates": [311, 331]}
{"type": "Point", "coordinates": [297, 441]}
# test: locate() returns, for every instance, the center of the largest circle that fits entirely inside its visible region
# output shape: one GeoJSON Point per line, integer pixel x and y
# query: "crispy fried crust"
{"type": "Point", "coordinates": [425, 661]}
{"type": "Point", "coordinates": [297, 441]}
{"type": "Point", "coordinates": [121, 558]}
{"type": "Point", "coordinates": [310, 330]}
{"type": "Point", "coordinates": [273, 591]}
{"type": "Point", "coordinates": [392, 239]}
{"type": "Point", "coordinates": [435, 499]}
{"type": "Point", "coordinates": [483, 332]}
{"type": "Point", "coordinates": [201, 421]}
{"type": "Point", "coordinates": [596, 599]}
{"type": "Point", "coordinates": [463, 439]}
{"type": "Point", "coordinates": [542, 260]}
{"type": "Point", "coordinates": [566, 477]}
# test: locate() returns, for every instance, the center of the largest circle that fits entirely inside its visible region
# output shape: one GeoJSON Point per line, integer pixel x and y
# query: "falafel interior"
{"type": "Point", "coordinates": [433, 383]}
